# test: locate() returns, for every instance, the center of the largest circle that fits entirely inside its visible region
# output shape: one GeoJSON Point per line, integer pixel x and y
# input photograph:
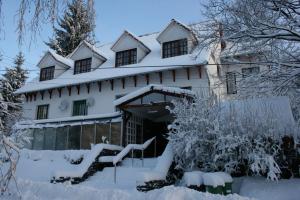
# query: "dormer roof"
{"type": "Point", "coordinates": [89, 46]}
{"type": "Point", "coordinates": [67, 63]}
{"type": "Point", "coordinates": [177, 23]}
{"type": "Point", "coordinates": [126, 34]}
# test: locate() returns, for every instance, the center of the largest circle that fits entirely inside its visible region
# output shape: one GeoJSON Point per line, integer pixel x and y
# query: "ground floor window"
{"type": "Point", "coordinates": [76, 137]}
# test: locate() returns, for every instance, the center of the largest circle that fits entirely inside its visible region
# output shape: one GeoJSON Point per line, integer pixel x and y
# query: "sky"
{"type": "Point", "coordinates": [112, 18]}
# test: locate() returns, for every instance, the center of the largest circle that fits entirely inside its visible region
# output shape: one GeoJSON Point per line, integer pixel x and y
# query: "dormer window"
{"type": "Point", "coordinates": [82, 66]}
{"type": "Point", "coordinates": [126, 57]}
{"type": "Point", "coordinates": [47, 73]}
{"type": "Point", "coordinates": [174, 48]}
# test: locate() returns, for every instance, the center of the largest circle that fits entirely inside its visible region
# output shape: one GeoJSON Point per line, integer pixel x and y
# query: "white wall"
{"type": "Point", "coordinates": [104, 99]}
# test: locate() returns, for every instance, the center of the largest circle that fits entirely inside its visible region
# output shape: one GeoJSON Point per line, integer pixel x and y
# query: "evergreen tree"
{"type": "Point", "coordinates": [13, 79]}
{"type": "Point", "coordinates": [74, 27]}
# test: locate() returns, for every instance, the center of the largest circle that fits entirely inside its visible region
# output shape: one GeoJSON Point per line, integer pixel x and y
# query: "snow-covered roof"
{"type": "Point", "coordinates": [153, 62]}
{"type": "Point", "coordinates": [91, 47]}
{"type": "Point", "coordinates": [127, 33]}
{"type": "Point", "coordinates": [275, 110]}
{"type": "Point", "coordinates": [74, 120]}
{"type": "Point", "coordinates": [65, 61]}
{"type": "Point", "coordinates": [153, 87]}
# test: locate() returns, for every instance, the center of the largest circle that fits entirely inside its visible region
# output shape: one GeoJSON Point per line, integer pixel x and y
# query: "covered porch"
{"type": "Point", "coordinates": [146, 115]}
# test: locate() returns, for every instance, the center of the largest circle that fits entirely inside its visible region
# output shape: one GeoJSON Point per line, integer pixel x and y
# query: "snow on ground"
{"type": "Point", "coordinates": [35, 170]}
{"type": "Point", "coordinates": [46, 191]}
{"type": "Point", "coordinates": [263, 189]}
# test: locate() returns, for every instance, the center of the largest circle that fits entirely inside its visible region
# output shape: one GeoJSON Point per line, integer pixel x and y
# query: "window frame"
{"type": "Point", "coordinates": [126, 57]}
{"type": "Point", "coordinates": [234, 90]}
{"type": "Point", "coordinates": [47, 73]}
{"type": "Point", "coordinates": [38, 112]}
{"type": "Point", "coordinates": [80, 114]}
{"type": "Point", "coordinates": [87, 67]}
{"type": "Point", "coordinates": [175, 48]}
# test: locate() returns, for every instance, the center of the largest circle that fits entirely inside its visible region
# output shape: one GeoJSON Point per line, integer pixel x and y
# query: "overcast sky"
{"type": "Point", "coordinates": [113, 17]}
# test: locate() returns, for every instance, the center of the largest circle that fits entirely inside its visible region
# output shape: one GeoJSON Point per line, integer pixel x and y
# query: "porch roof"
{"type": "Point", "coordinates": [172, 91]}
{"type": "Point", "coordinates": [72, 121]}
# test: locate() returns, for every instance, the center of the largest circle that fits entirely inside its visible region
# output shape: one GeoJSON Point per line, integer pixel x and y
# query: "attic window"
{"type": "Point", "coordinates": [126, 57]}
{"type": "Point", "coordinates": [175, 48]}
{"type": "Point", "coordinates": [47, 73]}
{"type": "Point", "coordinates": [82, 66]}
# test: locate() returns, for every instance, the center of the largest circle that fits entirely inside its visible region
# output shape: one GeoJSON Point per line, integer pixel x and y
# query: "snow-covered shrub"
{"type": "Point", "coordinates": [213, 136]}
{"type": "Point", "coordinates": [194, 131]}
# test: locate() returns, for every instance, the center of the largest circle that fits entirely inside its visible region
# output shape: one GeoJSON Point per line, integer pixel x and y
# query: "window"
{"type": "Point", "coordinates": [231, 82]}
{"type": "Point", "coordinates": [250, 71]}
{"type": "Point", "coordinates": [175, 48]}
{"type": "Point", "coordinates": [79, 108]}
{"type": "Point", "coordinates": [126, 57]}
{"type": "Point", "coordinates": [47, 73]}
{"type": "Point", "coordinates": [82, 66]}
{"type": "Point", "coordinates": [42, 112]}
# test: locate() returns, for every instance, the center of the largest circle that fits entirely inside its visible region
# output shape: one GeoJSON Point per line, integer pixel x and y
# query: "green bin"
{"type": "Point", "coordinates": [227, 188]}
{"type": "Point", "coordinates": [215, 190]}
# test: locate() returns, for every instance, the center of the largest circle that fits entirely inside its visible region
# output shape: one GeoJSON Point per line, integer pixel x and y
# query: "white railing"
{"type": "Point", "coordinates": [126, 150]}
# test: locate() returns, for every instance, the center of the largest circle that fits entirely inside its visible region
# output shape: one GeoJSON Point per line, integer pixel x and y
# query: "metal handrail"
{"type": "Point", "coordinates": [126, 150]}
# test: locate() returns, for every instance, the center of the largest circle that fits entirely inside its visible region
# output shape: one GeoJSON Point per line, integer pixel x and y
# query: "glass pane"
{"type": "Point", "coordinates": [102, 133]}
{"type": "Point", "coordinates": [61, 138]}
{"type": "Point", "coordinates": [87, 137]}
{"type": "Point", "coordinates": [116, 133]}
{"type": "Point", "coordinates": [28, 133]}
{"type": "Point", "coordinates": [74, 137]}
{"type": "Point", "coordinates": [49, 139]}
{"type": "Point", "coordinates": [38, 141]}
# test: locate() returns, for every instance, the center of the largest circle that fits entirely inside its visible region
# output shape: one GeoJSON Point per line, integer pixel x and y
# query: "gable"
{"type": "Point", "coordinates": [85, 50]}
{"type": "Point", "coordinates": [176, 31]}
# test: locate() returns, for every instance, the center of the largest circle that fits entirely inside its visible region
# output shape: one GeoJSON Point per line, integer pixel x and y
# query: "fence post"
{"type": "Point", "coordinates": [142, 157]}
{"type": "Point", "coordinates": [155, 147]}
{"type": "Point", "coordinates": [115, 174]}
{"type": "Point", "coordinates": [132, 157]}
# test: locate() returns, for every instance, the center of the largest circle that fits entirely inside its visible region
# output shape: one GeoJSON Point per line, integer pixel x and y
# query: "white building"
{"type": "Point", "coordinates": [117, 92]}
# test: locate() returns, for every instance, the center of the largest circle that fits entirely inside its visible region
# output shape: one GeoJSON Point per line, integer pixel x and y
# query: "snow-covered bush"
{"type": "Point", "coordinates": [213, 135]}
{"type": "Point", "coordinates": [194, 131]}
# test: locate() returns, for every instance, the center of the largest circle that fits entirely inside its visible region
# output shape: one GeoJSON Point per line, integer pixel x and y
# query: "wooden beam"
{"type": "Point", "coordinates": [88, 87]}
{"type": "Point", "coordinates": [188, 73]}
{"type": "Point", "coordinates": [50, 93]}
{"type": "Point", "coordinates": [111, 84]}
{"type": "Point", "coordinates": [135, 80]}
{"type": "Point", "coordinates": [174, 75]}
{"type": "Point", "coordinates": [70, 90]}
{"type": "Point", "coordinates": [123, 82]}
{"type": "Point", "coordinates": [160, 77]}
{"type": "Point", "coordinates": [199, 71]}
{"type": "Point", "coordinates": [59, 91]}
{"type": "Point", "coordinates": [147, 78]}
{"type": "Point", "coordinates": [42, 94]}
{"type": "Point", "coordinates": [99, 85]}
{"type": "Point", "coordinates": [34, 96]}
{"type": "Point", "coordinates": [30, 97]}
{"type": "Point", "coordinates": [26, 96]}
{"type": "Point", "coordinates": [78, 89]}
